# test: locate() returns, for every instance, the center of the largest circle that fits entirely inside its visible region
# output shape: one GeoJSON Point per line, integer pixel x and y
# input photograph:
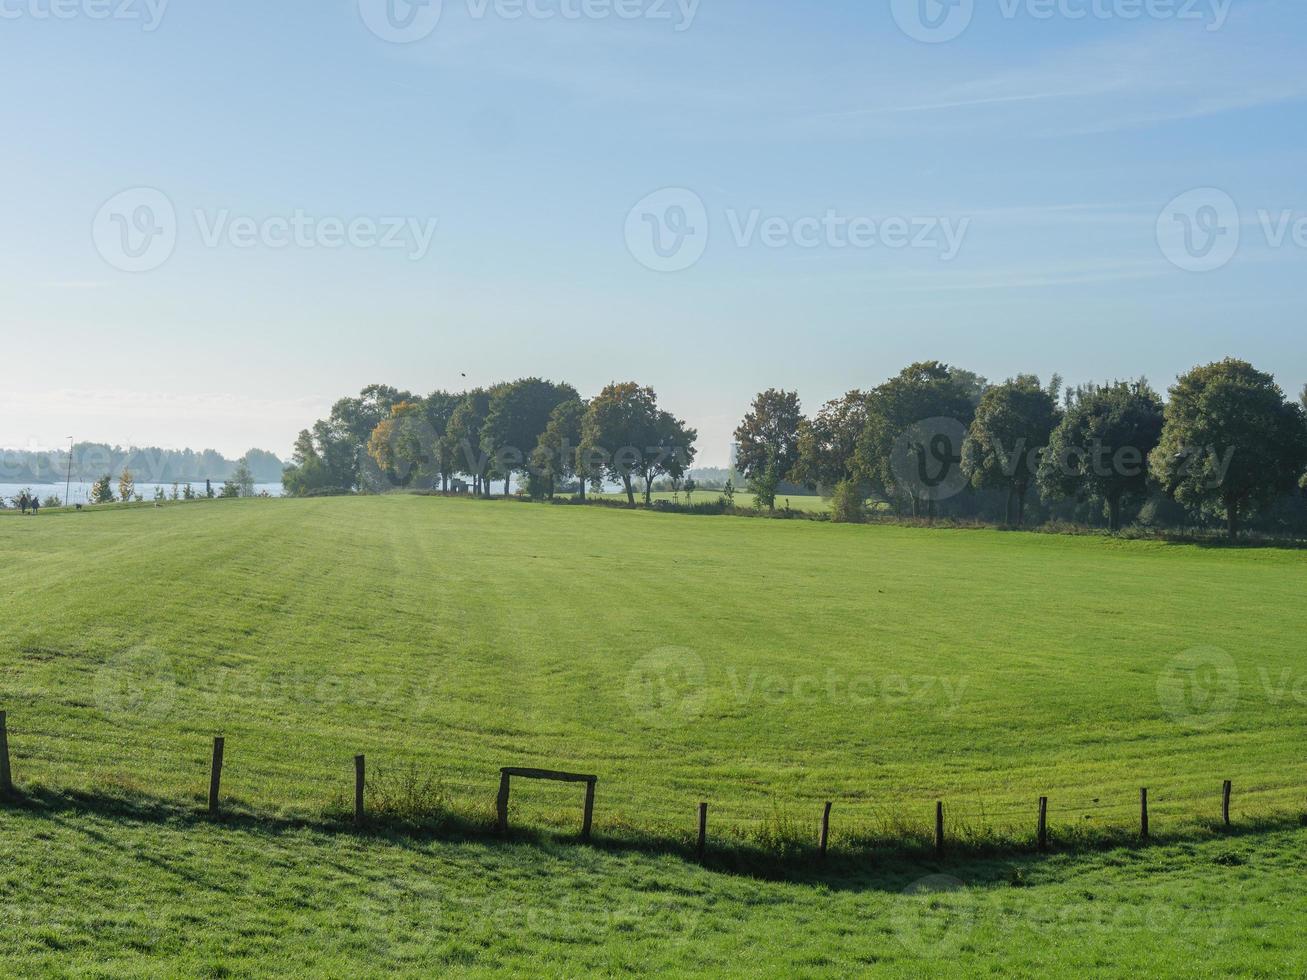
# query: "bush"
{"type": "Point", "coordinates": [848, 505]}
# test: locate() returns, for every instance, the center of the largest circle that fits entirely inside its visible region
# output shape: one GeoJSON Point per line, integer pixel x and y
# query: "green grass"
{"type": "Point", "coordinates": [764, 666]}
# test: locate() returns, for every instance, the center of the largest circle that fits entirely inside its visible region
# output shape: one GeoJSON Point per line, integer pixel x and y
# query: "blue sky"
{"type": "Point", "coordinates": [1052, 145]}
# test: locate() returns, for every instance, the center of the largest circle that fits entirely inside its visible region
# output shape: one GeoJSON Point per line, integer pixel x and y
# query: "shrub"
{"type": "Point", "coordinates": [848, 505]}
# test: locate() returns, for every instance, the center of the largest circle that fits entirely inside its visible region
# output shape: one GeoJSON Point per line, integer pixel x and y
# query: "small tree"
{"type": "Point", "coordinates": [102, 490]}
{"type": "Point", "coordinates": [848, 506]}
{"type": "Point", "coordinates": [126, 486]}
{"type": "Point", "coordinates": [243, 479]}
{"type": "Point", "coordinates": [768, 437]}
{"type": "Point", "coordinates": [763, 485]}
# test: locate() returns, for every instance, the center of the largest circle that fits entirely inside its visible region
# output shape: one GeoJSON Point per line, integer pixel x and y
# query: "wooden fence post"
{"type": "Point", "coordinates": [589, 809]}
{"type": "Point", "coordinates": [215, 774]}
{"type": "Point", "coordinates": [1043, 823]}
{"type": "Point", "coordinates": [359, 764]}
{"type": "Point", "coordinates": [825, 830]}
{"type": "Point", "coordinates": [1225, 802]}
{"type": "Point", "coordinates": [703, 831]}
{"type": "Point", "coordinates": [501, 804]}
{"type": "Point", "coordinates": [1143, 813]}
{"type": "Point", "coordinates": [939, 827]}
{"type": "Point", "coordinates": [6, 777]}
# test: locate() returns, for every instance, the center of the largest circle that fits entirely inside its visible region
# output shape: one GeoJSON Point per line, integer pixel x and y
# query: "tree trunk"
{"type": "Point", "coordinates": [630, 492]}
{"type": "Point", "coordinates": [648, 490]}
{"type": "Point", "coordinates": [1114, 512]}
{"type": "Point", "coordinates": [550, 491]}
{"type": "Point", "coordinates": [1007, 508]}
{"type": "Point", "coordinates": [506, 481]}
{"type": "Point", "coordinates": [582, 479]}
{"type": "Point", "coordinates": [1021, 508]}
{"type": "Point", "coordinates": [1232, 518]}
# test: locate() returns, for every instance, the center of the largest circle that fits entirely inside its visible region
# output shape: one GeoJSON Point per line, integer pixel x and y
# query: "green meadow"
{"type": "Point", "coordinates": [765, 667]}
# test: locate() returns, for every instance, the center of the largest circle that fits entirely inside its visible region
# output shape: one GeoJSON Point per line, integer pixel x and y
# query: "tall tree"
{"type": "Point", "coordinates": [1231, 441]}
{"type": "Point", "coordinates": [463, 438]}
{"type": "Point", "coordinates": [1100, 448]}
{"type": "Point", "coordinates": [827, 443]}
{"type": "Point", "coordinates": [439, 408]}
{"type": "Point", "coordinates": [768, 437]}
{"type": "Point", "coordinates": [558, 453]}
{"type": "Point", "coordinates": [921, 394]}
{"type": "Point", "coordinates": [518, 415]}
{"type": "Point", "coordinates": [1011, 428]}
{"type": "Point", "coordinates": [626, 434]}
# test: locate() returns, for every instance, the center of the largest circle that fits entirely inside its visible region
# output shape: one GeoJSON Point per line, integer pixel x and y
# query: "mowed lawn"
{"type": "Point", "coordinates": [764, 666]}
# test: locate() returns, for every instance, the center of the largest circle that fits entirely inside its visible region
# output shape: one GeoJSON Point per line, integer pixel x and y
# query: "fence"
{"type": "Point", "coordinates": [1038, 812]}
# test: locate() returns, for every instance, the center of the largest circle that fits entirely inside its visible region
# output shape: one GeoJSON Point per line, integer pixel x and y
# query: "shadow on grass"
{"type": "Point", "coordinates": [860, 864]}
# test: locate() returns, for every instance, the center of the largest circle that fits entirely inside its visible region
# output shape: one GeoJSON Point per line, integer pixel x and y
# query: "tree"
{"type": "Point", "coordinates": [1100, 448]}
{"type": "Point", "coordinates": [619, 422]}
{"type": "Point", "coordinates": [518, 415]}
{"type": "Point", "coordinates": [1230, 442]}
{"type": "Point", "coordinates": [463, 438]}
{"type": "Point", "coordinates": [102, 490]}
{"type": "Point", "coordinates": [439, 408]}
{"type": "Point", "coordinates": [126, 486]}
{"type": "Point", "coordinates": [307, 474]}
{"type": "Point", "coordinates": [763, 485]}
{"type": "Point", "coordinates": [402, 445]}
{"type": "Point", "coordinates": [767, 440]}
{"type": "Point", "coordinates": [243, 477]}
{"type": "Point", "coordinates": [1011, 428]}
{"type": "Point", "coordinates": [558, 454]}
{"type": "Point", "coordinates": [891, 454]}
{"type": "Point", "coordinates": [627, 436]}
{"type": "Point", "coordinates": [827, 444]}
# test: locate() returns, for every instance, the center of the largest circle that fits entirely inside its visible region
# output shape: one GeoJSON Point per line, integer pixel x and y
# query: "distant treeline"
{"type": "Point", "coordinates": [539, 431]}
{"type": "Point", "coordinates": [92, 460]}
{"type": "Point", "coordinates": [1226, 447]}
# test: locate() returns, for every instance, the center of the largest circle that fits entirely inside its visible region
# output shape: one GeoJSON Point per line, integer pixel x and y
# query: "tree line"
{"type": "Point", "coordinates": [542, 432]}
{"type": "Point", "coordinates": [935, 439]}
{"type": "Point", "coordinates": [150, 464]}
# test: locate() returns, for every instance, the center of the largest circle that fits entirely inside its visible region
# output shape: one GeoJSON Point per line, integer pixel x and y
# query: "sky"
{"type": "Point", "coordinates": [219, 218]}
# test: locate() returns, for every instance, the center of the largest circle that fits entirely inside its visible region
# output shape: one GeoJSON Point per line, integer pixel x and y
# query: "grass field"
{"type": "Point", "coordinates": [764, 666]}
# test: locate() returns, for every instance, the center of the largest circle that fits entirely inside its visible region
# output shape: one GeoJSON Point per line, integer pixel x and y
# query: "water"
{"type": "Point", "coordinates": [80, 493]}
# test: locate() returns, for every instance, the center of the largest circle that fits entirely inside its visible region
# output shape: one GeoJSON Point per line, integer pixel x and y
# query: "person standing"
{"type": "Point", "coordinates": [23, 501]}
{"type": "Point", "coordinates": [36, 504]}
